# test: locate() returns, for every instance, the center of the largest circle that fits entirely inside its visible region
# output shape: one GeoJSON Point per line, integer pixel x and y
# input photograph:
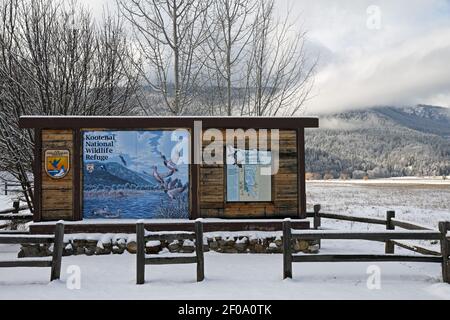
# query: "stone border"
{"type": "Point", "coordinates": [221, 244]}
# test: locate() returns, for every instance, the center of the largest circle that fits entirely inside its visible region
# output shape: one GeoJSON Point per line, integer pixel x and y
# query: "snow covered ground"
{"type": "Point", "coordinates": [260, 276]}
{"type": "Point", "coordinates": [228, 277]}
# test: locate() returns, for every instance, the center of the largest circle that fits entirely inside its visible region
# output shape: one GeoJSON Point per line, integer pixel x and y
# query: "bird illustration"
{"type": "Point", "coordinates": [123, 160]}
{"type": "Point", "coordinates": [169, 164]}
{"type": "Point", "coordinates": [167, 184]}
{"type": "Point", "coordinates": [236, 162]}
{"type": "Point", "coordinates": [55, 163]}
{"type": "Point", "coordinates": [173, 194]}
{"type": "Point", "coordinates": [173, 184]}
{"type": "Point", "coordinates": [157, 176]}
{"type": "Point", "coordinates": [103, 167]}
{"type": "Point", "coordinates": [167, 174]}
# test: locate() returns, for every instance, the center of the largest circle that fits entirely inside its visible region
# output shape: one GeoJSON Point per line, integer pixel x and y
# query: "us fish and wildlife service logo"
{"type": "Point", "coordinates": [57, 163]}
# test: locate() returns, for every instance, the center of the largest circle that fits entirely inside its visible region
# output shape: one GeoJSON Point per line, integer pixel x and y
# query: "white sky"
{"type": "Point", "coordinates": [403, 60]}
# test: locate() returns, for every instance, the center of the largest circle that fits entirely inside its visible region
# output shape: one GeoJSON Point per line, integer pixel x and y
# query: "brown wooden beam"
{"type": "Point", "coordinates": [301, 184]}
{"type": "Point", "coordinates": [77, 172]}
{"type": "Point", "coordinates": [130, 228]}
{"type": "Point", "coordinates": [37, 171]}
{"type": "Point", "coordinates": [73, 122]}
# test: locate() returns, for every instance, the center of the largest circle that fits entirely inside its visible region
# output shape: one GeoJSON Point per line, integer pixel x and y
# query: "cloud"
{"type": "Point", "coordinates": [412, 72]}
{"type": "Point", "coordinates": [404, 62]}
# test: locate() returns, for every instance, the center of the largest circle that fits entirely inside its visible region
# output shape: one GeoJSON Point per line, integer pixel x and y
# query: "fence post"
{"type": "Point", "coordinates": [199, 250]}
{"type": "Point", "coordinates": [6, 188]}
{"type": "Point", "coordinates": [57, 251]}
{"type": "Point", "coordinates": [445, 250]}
{"type": "Point", "coordinates": [390, 247]}
{"type": "Point", "coordinates": [140, 253]}
{"type": "Point", "coordinates": [16, 206]}
{"type": "Point", "coordinates": [287, 249]}
{"type": "Point", "coordinates": [317, 221]}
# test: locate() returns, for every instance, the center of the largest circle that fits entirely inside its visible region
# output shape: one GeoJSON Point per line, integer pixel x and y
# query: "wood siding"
{"type": "Point", "coordinates": [284, 202]}
{"type": "Point", "coordinates": [57, 194]}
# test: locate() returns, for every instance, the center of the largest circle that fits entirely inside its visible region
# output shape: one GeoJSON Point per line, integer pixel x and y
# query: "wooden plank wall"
{"type": "Point", "coordinates": [284, 203]}
{"type": "Point", "coordinates": [57, 195]}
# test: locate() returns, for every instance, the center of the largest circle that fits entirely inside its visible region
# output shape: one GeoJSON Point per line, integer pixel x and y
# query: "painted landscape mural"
{"type": "Point", "coordinates": [136, 174]}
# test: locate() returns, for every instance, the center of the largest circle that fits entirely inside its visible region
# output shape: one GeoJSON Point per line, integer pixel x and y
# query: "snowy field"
{"type": "Point", "coordinates": [423, 201]}
{"type": "Point", "coordinates": [228, 277]}
{"type": "Point", "coordinates": [260, 276]}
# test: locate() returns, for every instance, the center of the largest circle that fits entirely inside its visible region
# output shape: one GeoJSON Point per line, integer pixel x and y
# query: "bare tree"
{"type": "Point", "coordinates": [279, 75]}
{"type": "Point", "coordinates": [55, 61]}
{"type": "Point", "coordinates": [168, 34]}
{"type": "Point", "coordinates": [227, 47]}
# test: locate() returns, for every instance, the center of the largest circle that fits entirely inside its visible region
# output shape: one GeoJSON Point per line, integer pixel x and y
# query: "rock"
{"type": "Point", "coordinates": [68, 250]}
{"type": "Point", "coordinates": [116, 249]}
{"type": "Point", "coordinates": [103, 248]}
{"type": "Point", "coordinates": [273, 248]}
{"type": "Point", "coordinates": [229, 243]}
{"type": "Point", "coordinates": [188, 246]}
{"type": "Point", "coordinates": [90, 251]}
{"type": "Point", "coordinates": [174, 246]}
{"type": "Point", "coordinates": [153, 247]}
{"type": "Point", "coordinates": [242, 245]}
{"type": "Point", "coordinates": [314, 248]}
{"type": "Point", "coordinates": [30, 250]}
{"type": "Point", "coordinates": [79, 250]}
{"type": "Point", "coordinates": [301, 245]}
{"type": "Point", "coordinates": [214, 245]}
{"type": "Point", "coordinates": [132, 247]}
{"type": "Point", "coordinates": [260, 248]}
{"type": "Point", "coordinates": [279, 242]}
{"type": "Point", "coordinates": [230, 250]}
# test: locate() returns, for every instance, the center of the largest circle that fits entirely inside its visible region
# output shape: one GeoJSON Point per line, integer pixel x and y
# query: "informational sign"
{"type": "Point", "coordinates": [136, 174]}
{"type": "Point", "coordinates": [246, 181]}
{"type": "Point", "coordinates": [57, 163]}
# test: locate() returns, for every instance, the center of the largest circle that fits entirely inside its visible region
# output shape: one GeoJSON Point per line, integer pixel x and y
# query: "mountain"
{"type": "Point", "coordinates": [113, 173]}
{"type": "Point", "coordinates": [381, 142]}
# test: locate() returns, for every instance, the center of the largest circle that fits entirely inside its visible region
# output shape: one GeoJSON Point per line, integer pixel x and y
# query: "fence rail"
{"type": "Point", "coordinates": [13, 187]}
{"type": "Point", "coordinates": [142, 259]}
{"type": "Point", "coordinates": [289, 234]}
{"type": "Point", "coordinates": [390, 237]}
{"type": "Point", "coordinates": [390, 222]}
{"type": "Point", "coordinates": [54, 263]}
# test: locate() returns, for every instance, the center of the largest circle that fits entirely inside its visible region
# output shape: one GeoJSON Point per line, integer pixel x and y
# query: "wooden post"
{"type": "Point", "coordinates": [6, 188]}
{"type": "Point", "coordinates": [287, 249]}
{"type": "Point", "coordinates": [57, 251]}
{"type": "Point", "coordinates": [390, 247]}
{"type": "Point", "coordinates": [317, 221]}
{"type": "Point", "coordinates": [199, 250]}
{"type": "Point", "coordinates": [140, 253]}
{"type": "Point", "coordinates": [16, 206]}
{"type": "Point", "coordinates": [445, 250]}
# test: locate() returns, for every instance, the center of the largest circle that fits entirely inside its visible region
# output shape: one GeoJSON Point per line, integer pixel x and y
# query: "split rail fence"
{"type": "Point", "coordinates": [54, 262]}
{"type": "Point", "coordinates": [142, 259]}
{"type": "Point", "coordinates": [391, 237]}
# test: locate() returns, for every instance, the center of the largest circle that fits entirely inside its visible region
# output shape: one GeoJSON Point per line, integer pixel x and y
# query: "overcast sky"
{"type": "Point", "coordinates": [391, 52]}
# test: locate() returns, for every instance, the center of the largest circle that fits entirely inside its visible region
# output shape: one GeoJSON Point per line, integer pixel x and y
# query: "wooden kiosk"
{"type": "Point", "coordinates": [88, 170]}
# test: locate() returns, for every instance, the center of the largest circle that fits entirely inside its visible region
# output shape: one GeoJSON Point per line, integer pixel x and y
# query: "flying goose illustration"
{"type": "Point", "coordinates": [236, 162]}
{"type": "Point", "coordinates": [173, 184]}
{"type": "Point", "coordinates": [157, 176]}
{"type": "Point", "coordinates": [169, 164]}
{"type": "Point", "coordinates": [173, 194]}
{"type": "Point", "coordinates": [123, 160]}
